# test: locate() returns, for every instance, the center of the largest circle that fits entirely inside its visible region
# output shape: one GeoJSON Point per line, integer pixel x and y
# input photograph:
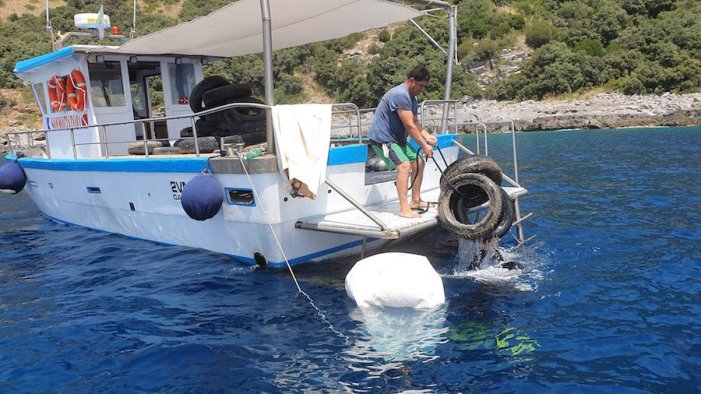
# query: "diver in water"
{"type": "Point", "coordinates": [490, 247]}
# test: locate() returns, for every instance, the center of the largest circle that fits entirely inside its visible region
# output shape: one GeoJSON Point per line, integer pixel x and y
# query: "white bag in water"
{"type": "Point", "coordinates": [400, 280]}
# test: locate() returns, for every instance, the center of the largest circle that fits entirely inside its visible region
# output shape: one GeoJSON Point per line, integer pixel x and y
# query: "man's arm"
{"type": "Point", "coordinates": [415, 132]}
{"type": "Point", "coordinates": [425, 134]}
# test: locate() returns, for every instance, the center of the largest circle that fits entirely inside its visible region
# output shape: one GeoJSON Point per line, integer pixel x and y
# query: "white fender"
{"type": "Point", "coordinates": [400, 280]}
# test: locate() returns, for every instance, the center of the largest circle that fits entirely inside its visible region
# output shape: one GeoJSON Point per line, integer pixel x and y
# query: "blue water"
{"type": "Point", "coordinates": [610, 300]}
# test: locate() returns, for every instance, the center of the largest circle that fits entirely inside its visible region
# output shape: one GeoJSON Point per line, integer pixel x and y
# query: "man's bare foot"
{"type": "Point", "coordinates": [422, 205]}
{"type": "Point", "coordinates": [409, 214]}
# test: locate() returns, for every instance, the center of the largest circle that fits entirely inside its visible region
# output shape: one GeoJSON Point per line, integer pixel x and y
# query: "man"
{"type": "Point", "coordinates": [394, 120]}
{"type": "Point", "coordinates": [491, 244]}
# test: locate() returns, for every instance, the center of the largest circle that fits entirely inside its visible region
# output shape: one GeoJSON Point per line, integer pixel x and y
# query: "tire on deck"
{"type": "Point", "coordinates": [206, 144]}
{"type": "Point", "coordinates": [137, 147]}
{"type": "Point", "coordinates": [204, 85]}
{"type": "Point", "coordinates": [225, 94]}
{"type": "Point", "coordinates": [467, 192]}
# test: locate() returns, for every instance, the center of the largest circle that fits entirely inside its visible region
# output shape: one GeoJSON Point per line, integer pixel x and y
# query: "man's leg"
{"type": "Point", "coordinates": [417, 175]}
{"type": "Point", "coordinates": [403, 170]}
{"type": "Point", "coordinates": [396, 157]}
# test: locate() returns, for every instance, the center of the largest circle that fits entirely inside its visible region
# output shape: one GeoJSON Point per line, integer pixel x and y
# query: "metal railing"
{"type": "Point", "coordinates": [347, 111]}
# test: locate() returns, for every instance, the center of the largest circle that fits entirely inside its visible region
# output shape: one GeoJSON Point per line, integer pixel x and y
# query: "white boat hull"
{"type": "Point", "coordinates": [140, 198]}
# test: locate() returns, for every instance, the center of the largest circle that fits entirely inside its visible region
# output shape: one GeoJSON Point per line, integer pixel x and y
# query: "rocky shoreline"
{"type": "Point", "coordinates": [601, 111]}
{"type": "Point", "coordinates": [605, 110]}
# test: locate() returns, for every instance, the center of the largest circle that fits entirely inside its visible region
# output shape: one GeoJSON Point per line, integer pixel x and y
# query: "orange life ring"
{"type": "Point", "coordinates": [57, 93]}
{"type": "Point", "coordinates": [76, 90]}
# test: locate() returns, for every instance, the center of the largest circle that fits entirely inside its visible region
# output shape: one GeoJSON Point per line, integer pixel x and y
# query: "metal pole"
{"type": "Point", "coordinates": [449, 65]}
{"type": "Point", "coordinates": [268, 70]}
{"type": "Point", "coordinates": [132, 34]}
{"type": "Point", "coordinates": [356, 204]}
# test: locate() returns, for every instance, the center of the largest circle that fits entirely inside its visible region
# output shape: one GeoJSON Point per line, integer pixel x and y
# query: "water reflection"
{"type": "Point", "coordinates": [397, 334]}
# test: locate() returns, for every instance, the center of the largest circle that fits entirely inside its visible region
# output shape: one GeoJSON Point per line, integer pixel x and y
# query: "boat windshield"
{"type": "Point", "coordinates": [106, 88]}
{"type": "Point", "coordinates": [182, 82]}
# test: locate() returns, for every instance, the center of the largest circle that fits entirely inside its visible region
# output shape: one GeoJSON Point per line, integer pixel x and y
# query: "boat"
{"type": "Point", "coordinates": [110, 163]}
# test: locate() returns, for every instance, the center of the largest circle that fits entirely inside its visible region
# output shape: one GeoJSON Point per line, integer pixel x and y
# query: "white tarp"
{"type": "Point", "coordinates": [237, 28]}
{"type": "Point", "coordinates": [303, 132]}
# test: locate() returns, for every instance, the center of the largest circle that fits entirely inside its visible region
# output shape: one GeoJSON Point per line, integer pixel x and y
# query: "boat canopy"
{"type": "Point", "coordinates": [236, 29]}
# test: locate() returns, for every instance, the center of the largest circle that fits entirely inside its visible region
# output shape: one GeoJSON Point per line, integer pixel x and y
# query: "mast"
{"type": "Point", "coordinates": [268, 70]}
{"type": "Point", "coordinates": [132, 33]}
{"type": "Point", "coordinates": [450, 54]}
{"type": "Point", "coordinates": [49, 28]}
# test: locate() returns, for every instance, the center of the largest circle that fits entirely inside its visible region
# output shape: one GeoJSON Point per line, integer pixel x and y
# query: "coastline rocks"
{"type": "Point", "coordinates": [605, 110]}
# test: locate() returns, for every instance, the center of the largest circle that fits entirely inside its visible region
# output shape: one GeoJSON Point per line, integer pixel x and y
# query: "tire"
{"type": "Point", "coordinates": [137, 147]}
{"type": "Point", "coordinates": [167, 150]}
{"type": "Point", "coordinates": [204, 85]}
{"type": "Point", "coordinates": [239, 114]}
{"type": "Point", "coordinates": [206, 144]}
{"type": "Point", "coordinates": [225, 94]}
{"type": "Point", "coordinates": [186, 132]}
{"type": "Point", "coordinates": [453, 203]}
{"type": "Point", "coordinates": [474, 164]}
{"type": "Point", "coordinates": [507, 215]}
{"type": "Point", "coordinates": [243, 128]}
{"type": "Point", "coordinates": [506, 219]}
{"type": "Point", "coordinates": [248, 139]}
{"type": "Point", "coordinates": [206, 128]}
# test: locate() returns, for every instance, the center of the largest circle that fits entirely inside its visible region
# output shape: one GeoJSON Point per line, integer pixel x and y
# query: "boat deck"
{"type": "Point", "coordinates": [355, 222]}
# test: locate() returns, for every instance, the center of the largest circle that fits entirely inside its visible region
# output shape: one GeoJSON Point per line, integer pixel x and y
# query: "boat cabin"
{"type": "Point", "coordinates": [83, 85]}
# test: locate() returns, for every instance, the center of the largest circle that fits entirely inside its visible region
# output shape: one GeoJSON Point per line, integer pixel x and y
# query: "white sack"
{"type": "Point", "coordinates": [400, 280]}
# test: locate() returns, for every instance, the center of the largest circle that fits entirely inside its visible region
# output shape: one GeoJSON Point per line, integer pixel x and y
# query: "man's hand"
{"type": "Point", "coordinates": [428, 151]}
{"type": "Point", "coordinates": [430, 139]}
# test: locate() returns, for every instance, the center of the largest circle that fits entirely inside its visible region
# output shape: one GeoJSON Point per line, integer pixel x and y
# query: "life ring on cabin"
{"type": "Point", "coordinates": [468, 191]}
{"type": "Point", "coordinates": [77, 91]}
{"type": "Point", "coordinates": [57, 93]}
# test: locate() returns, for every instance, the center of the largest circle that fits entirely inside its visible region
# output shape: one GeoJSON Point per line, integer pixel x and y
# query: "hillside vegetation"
{"type": "Point", "coordinates": [629, 46]}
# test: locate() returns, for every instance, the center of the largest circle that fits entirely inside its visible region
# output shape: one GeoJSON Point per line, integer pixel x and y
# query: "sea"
{"type": "Point", "coordinates": [609, 300]}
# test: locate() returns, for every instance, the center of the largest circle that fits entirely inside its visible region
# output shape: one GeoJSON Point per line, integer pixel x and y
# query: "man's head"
{"type": "Point", "coordinates": [417, 80]}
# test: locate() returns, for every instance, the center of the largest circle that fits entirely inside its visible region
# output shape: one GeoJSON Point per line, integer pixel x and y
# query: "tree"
{"type": "Point", "coordinates": [539, 33]}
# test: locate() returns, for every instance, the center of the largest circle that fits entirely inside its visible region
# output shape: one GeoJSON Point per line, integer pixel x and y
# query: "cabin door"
{"type": "Point", "coordinates": [146, 86]}
{"type": "Point", "coordinates": [109, 97]}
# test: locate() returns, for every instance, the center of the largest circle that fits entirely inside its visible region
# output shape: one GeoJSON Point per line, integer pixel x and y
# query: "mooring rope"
{"type": "Point", "coordinates": [284, 256]}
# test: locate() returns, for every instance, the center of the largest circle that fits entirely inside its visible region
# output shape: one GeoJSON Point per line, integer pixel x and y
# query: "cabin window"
{"type": "Point", "coordinates": [106, 87]}
{"type": "Point", "coordinates": [40, 96]}
{"type": "Point", "coordinates": [182, 80]}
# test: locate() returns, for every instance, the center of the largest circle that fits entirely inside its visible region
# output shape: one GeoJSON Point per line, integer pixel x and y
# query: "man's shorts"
{"type": "Point", "coordinates": [393, 154]}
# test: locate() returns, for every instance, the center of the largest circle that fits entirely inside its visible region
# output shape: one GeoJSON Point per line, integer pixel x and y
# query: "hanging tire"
{"type": "Point", "coordinates": [506, 219]}
{"type": "Point", "coordinates": [507, 215]}
{"type": "Point", "coordinates": [204, 85]}
{"type": "Point", "coordinates": [475, 164]}
{"type": "Point", "coordinates": [225, 94]}
{"type": "Point", "coordinates": [467, 190]}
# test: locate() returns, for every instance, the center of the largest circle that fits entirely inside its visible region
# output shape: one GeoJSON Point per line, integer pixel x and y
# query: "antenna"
{"type": "Point", "coordinates": [132, 34]}
{"type": "Point", "coordinates": [49, 28]}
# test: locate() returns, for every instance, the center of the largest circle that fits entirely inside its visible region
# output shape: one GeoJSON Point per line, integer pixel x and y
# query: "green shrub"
{"type": "Point", "coordinates": [539, 33]}
{"type": "Point", "coordinates": [384, 36]}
